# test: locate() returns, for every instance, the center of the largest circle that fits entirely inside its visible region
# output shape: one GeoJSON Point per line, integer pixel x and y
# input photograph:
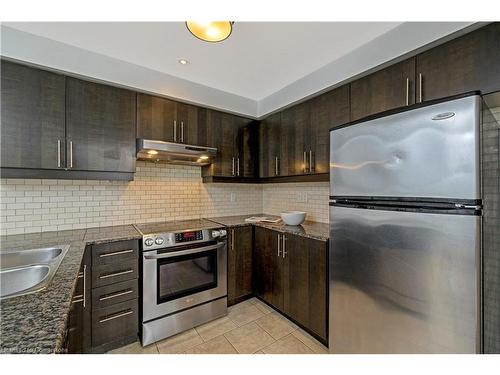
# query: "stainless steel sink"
{"type": "Point", "coordinates": [26, 257]}
{"type": "Point", "coordinates": [29, 271]}
{"type": "Point", "coordinates": [22, 280]}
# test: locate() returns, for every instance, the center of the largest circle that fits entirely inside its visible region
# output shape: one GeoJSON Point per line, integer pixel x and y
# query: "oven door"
{"type": "Point", "coordinates": [179, 278]}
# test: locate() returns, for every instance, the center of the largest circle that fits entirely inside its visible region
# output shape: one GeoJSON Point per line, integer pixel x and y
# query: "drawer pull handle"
{"type": "Point", "coordinates": [114, 295]}
{"type": "Point", "coordinates": [116, 253]}
{"type": "Point", "coordinates": [116, 274]}
{"type": "Point", "coordinates": [77, 300]}
{"type": "Point", "coordinates": [116, 316]}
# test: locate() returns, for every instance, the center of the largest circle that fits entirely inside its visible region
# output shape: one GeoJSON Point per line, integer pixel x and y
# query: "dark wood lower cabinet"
{"type": "Point", "coordinates": [239, 264]}
{"type": "Point", "coordinates": [105, 308]}
{"type": "Point", "coordinates": [290, 274]}
{"type": "Point", "coordinates": [305, 281]}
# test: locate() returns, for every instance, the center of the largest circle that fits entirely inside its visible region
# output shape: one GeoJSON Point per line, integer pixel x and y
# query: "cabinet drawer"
{"type": "Point", "coordinates": [115, 252]}
{"type": "Point", "coordinates": [114, 322]}
{"type": "Point", "coordinates": [114, 273]}
{"type": "Point", "coordinates": [114, 293]}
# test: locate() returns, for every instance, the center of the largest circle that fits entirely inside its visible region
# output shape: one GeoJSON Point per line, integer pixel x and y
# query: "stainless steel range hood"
{"type": "Point", "coordinates": [174, 153]}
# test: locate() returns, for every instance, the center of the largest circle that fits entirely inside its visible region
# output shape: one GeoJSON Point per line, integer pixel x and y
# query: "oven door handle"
{"type": "Point", "coordinates": [185, 252]}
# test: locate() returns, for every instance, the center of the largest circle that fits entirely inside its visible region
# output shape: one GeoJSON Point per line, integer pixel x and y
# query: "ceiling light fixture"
{"type": "Point", "coordinates": [183, 62]}
{"type": "Point", "coordinates": [210, 31]}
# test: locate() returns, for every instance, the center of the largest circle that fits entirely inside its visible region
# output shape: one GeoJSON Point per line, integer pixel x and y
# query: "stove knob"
{"type": "Point", "coordinates": [216, 233]}
{"type": "Point", "coordinates": [223, 233]}
{"type": "Point", "coordinates": [158, 240]}
{"type": "Point", "coordinates": [148, 242]}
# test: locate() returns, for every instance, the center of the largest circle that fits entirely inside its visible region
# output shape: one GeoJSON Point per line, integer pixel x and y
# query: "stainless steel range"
{"type": "Point", "coordinates": [184, 276]}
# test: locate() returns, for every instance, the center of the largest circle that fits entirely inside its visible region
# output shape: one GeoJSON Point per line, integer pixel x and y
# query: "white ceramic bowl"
{"type": "Point", "coordinates": [293, 217]}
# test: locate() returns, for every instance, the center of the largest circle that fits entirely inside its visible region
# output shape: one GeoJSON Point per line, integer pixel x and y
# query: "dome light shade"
{"type": "Point", "coordinates": [210, 31]}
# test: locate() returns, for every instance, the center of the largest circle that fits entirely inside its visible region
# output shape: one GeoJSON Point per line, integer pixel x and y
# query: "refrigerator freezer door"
{"type": "Point", "coordinates": [403, 282]}
{"type": "Point", "coordinates": [432, 151]}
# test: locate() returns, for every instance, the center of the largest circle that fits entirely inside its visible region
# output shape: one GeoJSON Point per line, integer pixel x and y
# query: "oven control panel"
{"type": "Point", "coordinates": [196, 235]}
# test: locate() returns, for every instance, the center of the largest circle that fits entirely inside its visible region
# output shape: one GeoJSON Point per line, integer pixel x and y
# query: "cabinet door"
{"type": "Point", "coordinates": [327, 110]}
{"type": "Point", "coordinates": [269, 142]}
{"type": "Point", "coordinates": [32, 117]}
{"type": "Point", "coordinates": [79, 322]}
{"type": "Point", "coordinates": [156, 118]}
{"type": "Point", "coordinates": [188, 122]}
{"type": "Point", "coordinates": [268, 267]}
{"type": "Point", "coordinates": [386, 89]}
{"type": "Point", "coordinates": [471, 62]}
{"type": "Point", "coordinates": [221, 134]}
{"type": "Point", "coordinates": [239, 263]}
{"type": "Point", "coordinates": [305, 282]}
{"type": "Point", "coordinates": [100, 127]}
{"type": "Point", "coordinates": [246, 147]}
{"type": "Point", "coordinates": [295, 140]}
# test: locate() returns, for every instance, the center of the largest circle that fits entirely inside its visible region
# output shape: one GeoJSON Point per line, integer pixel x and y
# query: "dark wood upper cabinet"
{"type": "Point", "coordinates": [327, 111]}
{"type": "Point", "coordinates": [305, 283]}
{"type": "Point", "coordinates": [235, 139]}
{"type": "Point", "coordinates": [295, 140]}
{"type": "Point", "coordinates": [156, 118]}
{"type": "Point", "coordinates": [100, 127]}
{"type": "Point", "coordinates": [269, 146]}
{"type": "Point", "coordinates": [240, 243]}
{"type": "Point", "coordinates": [192, 124]}
{"type": "Point", "coordinates": [268, 267]}
{"type": "Point", "coordinates": [385, 89]}
{"type": "Point", "coordinates": [32, 118]}
{"type": "Point", "coordinates": [470, 62]}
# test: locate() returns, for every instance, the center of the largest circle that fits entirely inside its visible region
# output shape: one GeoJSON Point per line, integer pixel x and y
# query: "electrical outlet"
{"type": "Point", "coordinates": [232, 198]}
{"type": "Point", "coordinates": [302, 197]}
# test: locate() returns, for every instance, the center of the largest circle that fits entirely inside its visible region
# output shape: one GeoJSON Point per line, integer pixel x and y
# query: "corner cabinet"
{"type": "Point", "coordinates": [236, 140]}
{"type": "Point", "coordinates": [290, 274]}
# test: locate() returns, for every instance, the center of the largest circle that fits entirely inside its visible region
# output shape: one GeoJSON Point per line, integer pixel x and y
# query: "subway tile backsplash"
{"type": "Point", "coordinates": [159, 192]}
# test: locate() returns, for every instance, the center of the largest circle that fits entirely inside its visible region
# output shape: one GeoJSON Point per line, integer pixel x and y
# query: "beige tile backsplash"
{"type": "Point", "coordinates": [159, 192]}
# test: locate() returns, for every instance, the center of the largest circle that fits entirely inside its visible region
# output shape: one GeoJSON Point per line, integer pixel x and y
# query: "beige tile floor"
{"type": "Point", "coordinates": [250, 327]}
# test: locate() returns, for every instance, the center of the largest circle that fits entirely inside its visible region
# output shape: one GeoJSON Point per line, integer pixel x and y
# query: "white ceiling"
{"type": "Point", "coordinates": [258, 59]}
{"type": "Point", "coordinates": [261, 67]}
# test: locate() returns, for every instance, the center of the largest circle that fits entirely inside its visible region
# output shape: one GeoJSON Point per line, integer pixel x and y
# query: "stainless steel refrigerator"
{"type": "Point", "coordinates": [405, 231]}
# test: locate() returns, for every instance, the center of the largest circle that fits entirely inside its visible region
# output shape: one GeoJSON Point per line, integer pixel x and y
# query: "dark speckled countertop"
{"type": "Point", "coordinates": [309, 229]}
{"type": "Point", "coordinates": [36, 323]}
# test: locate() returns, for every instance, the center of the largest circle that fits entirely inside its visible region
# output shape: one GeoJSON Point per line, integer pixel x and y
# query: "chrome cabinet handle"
{"type": "Point", "coordinates": [420, 81]}
{"type": "Point", "coordinates": [184, 252]}
{"type": "Point", "coordinates": [407, 100]}
{"type": "Point", "coordinates": [182, 131]}
{"type": "Point", "coordinates": [284, 247]}
{"type": "Point", "coordinates": [114, 274]}
{"type": "Point", "coordinates": [232, 168]}
{"type": "Point", "coordinates": [121, 314]}
{"type": "Point", "coordinates": [116, 253]}
{"type": "Point", "coordinates": [305, 162]}
{"type": "Point", "coordinates": [71, 154]}
{"type": "Point", "coordinates": [311, 165]}
{"type": "Point", "coordinates": [238, 166]}
{"type": "Point", "coordinates": [84, 285]}
{"type": "Point", "coordinates": [276, 166]}
{"type": "Point", "coordinates": [117, 294]}
{"type": "Point", "coordinates": [279, 244]}
{"type": "Point", "coordinates": [175, 130]}
{"type": "Point", "coordinates": [58, 153]}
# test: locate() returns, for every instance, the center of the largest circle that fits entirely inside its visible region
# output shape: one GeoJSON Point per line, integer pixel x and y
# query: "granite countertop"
{"type": "Point", "coordinates": [36, 323]}
{"type": "Point", "coordinates": [114, 233]}
{"type": "Point", "coordinates": [309, 229]}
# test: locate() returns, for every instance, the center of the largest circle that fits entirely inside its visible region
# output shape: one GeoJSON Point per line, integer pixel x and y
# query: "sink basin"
{"type": "Point", "coordinates": [28, 271]}
{"type": "Point", "coordinates": [27, 257]}
{"type": "Point", "coordinates": [23, 279]}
